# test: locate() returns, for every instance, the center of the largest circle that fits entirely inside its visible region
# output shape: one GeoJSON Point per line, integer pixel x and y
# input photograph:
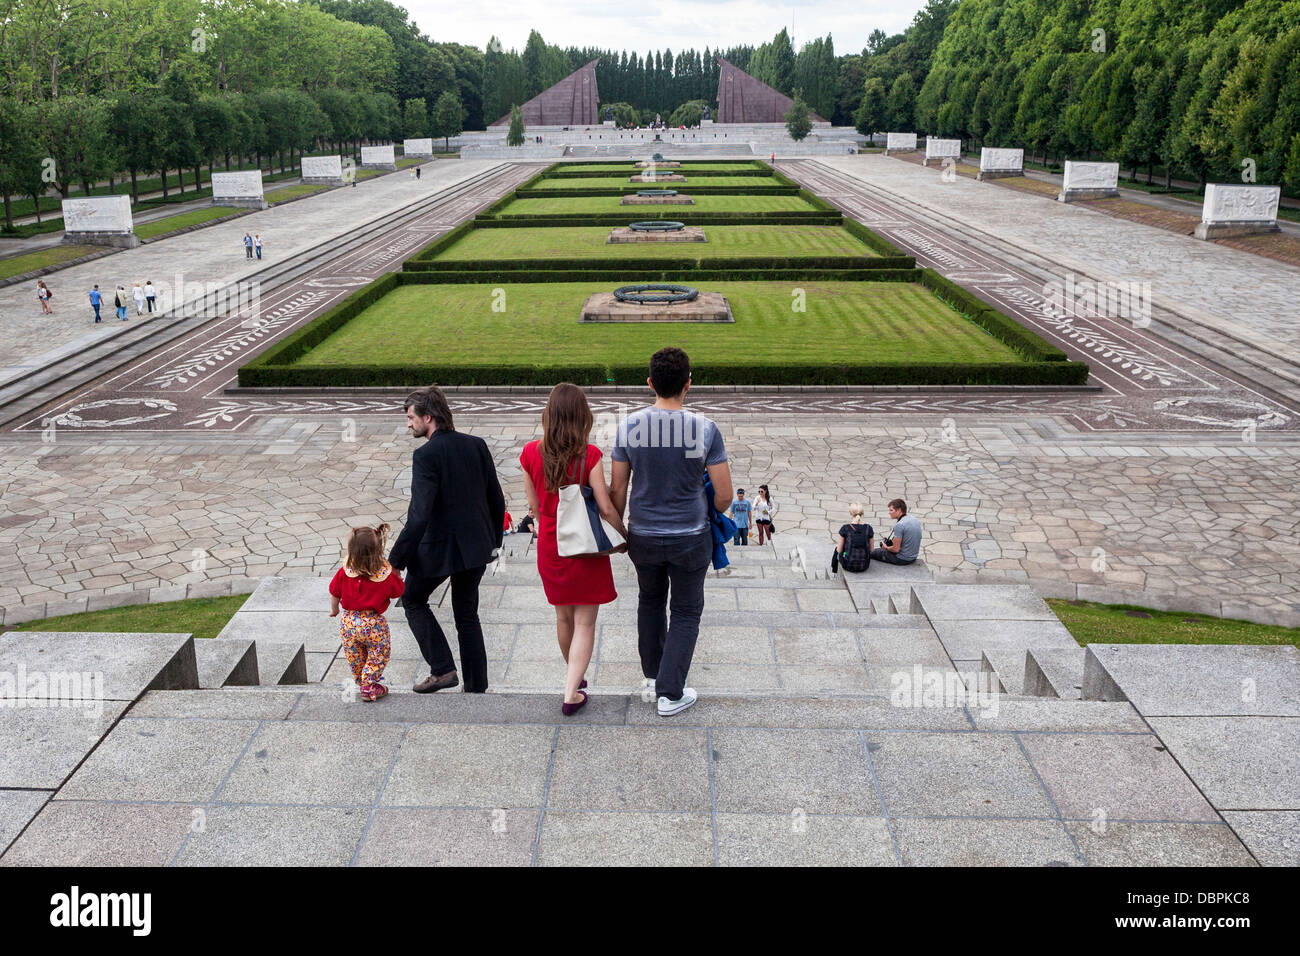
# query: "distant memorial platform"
{"type": "Point", "coordinates": [658, 163]}
{"type": "Point", "coordinates": [322, 170]}
{"type": "Point", "coordinates": [1232, 210]}
{"type": "Point", "coordinates": [242, 190]}
{"type": "Point", "coordinates": [653, 178]}
{"type": "Point", "coordinates": [1001, 163]}
{"type": "Point", "coordinates": [656, 231]}
{"type": "Point", "coordinates": [702, 307]}
{"type": "Point", "coordinates": [378, 157]}
{"type": "Point", "coordinates": [1089, 181]}
{"type": "Point", "coordinates": [101, 221]}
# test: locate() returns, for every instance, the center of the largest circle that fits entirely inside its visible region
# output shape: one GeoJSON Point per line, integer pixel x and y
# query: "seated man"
{"type": "Point", "coordinates": [904, 545]}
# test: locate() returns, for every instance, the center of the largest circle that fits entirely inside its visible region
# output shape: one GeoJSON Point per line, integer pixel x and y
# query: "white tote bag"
{"type": "Point", "coordinates": [579, 528]}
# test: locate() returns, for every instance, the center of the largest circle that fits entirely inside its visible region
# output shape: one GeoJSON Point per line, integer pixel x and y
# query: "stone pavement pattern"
{"type": "Point", "coordinates": [93, 522]}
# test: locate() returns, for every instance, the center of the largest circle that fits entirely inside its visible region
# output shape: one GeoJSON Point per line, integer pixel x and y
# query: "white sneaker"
{"type": "Point", "coordinates": [669, 707]}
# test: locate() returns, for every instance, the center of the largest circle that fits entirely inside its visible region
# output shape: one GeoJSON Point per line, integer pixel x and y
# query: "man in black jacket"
{"type": "Point", "coordinates": [454, 524]}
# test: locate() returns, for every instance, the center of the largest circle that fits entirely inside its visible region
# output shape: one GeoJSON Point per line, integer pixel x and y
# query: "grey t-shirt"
{"type": "Point", "coordinates": [908, 531]}
{"type": "Point", "coordinates": [669, 451]}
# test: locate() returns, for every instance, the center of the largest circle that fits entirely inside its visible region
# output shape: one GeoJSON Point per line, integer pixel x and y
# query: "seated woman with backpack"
{"type": "Point", "coordinates": [853, 543]}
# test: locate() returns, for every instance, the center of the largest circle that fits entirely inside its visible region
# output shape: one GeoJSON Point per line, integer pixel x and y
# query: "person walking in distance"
{"type": "Point", "coordinates": [664, 453]}
{"type": "Point", "coordinates": [248, 246]}
{"type": "Point", "coordinates": [43, 295]}
{"type": "Point", "coordinates": [137, 294]}
{"type": "Point", "coordinates": [763, 511]}
{"type": "Point", "coordinates": [575, 586]}
{"type": "Point", "coordinates": [740, 509]}
{"type": "Point", "coordinates": [257, 244]}
{"type": "Point", "coordinates": [453, 526]}
{"type": "Point", "coordinates": [150, 293]}
{"type": "Point", "coordinates": [119, 302]}
{"type": "Point", "coordinates": [96, 298]}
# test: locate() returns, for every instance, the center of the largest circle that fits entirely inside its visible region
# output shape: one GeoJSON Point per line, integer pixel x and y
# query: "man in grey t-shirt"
{"type": "Point", "coordinates": [904, 545]}
{"type": "Point", "coordinates": [665, 452]}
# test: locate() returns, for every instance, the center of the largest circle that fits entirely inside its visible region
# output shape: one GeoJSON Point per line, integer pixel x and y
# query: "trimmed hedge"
{"type": "Point", "coordinates": [523, 192]}
{"type": "Point", "coordinates": [444, 241]}
{"type": "Point", "coordinates": [998, 324]}
{"type": "Point", "coordinates": [796, 217]}
{"type": "Point", "coordinates": [490, 274]}
{"type": "Point", "coordinates": [683, 264]}
{"type": "Point", "coordinates": [878, 243]}
{"type": "Point", "coordinates": [256, 375]}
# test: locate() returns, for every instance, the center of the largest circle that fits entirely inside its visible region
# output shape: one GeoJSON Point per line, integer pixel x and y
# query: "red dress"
{"type": "Point", "coordinates": [587, 579]}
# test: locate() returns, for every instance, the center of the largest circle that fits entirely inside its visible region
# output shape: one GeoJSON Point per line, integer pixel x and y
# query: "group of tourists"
{"type": "Point", "coordinates": [669, 475]}
{"type": "Point", "coordinates": [252, 244]}
{"type": "Point", "coordinates": [853, 545]}
{"type": "Point", "coordinates": [142, 295]}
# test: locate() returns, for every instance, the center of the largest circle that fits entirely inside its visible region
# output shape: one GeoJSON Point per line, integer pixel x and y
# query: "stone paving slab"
{"type": "Point", "coordinates": [17, 807]}
{"type": "Point", "coordinates": [1160, 844]}
{"type": "Point", "coordinates": [1050, 716]}
{"type": "Point", "coordinates": [339, 764]}
{"type": "Point", "coordinates": [787, 771]}
{"type": "Point", "coordinates": [957, 775]}
{"type": "Point", "coordinates": [966, 640]}
{"type": "Point", "coordinates": [940, 842]}
{"type": "Point", "coordinates": [1007, 667]}
{"type": "Point", "coordinates": [1239, 763]}
{"type": "Point", "coordinates": [987, 602]}
{"type": "Point", "coordinates": [1273, 836]}
{"type": "Point", "coordinates": [275, 836]}
{"type": "Point", "coordinates": [170, 759]}
{"type": "Point", "coordinates": [226, 663]}
{"type": "Point", "coordinates": [634, 768]}
{"type": "Point", "coordinates": [40, 747]}
{"type": "Point", "coordinates": [1054, 672]}
{"type": "Point", "coordinates": [128, 663]}
{"type": "Point", "coordinates": [77, 833]}
{"type": "Point", "coordinates": [1198, 679]}
{"type": "Point", "coordinates": [469, 765]}
{"type": "Point", "coordinates": [1129, 776]}
{"type": "Point", "coordinates": [407, 836]}
{"type": "Point", "coordinates": [803, 839]}
{"type": "Point", "coordinates": [626, 839]}
{"type": "Point", "coordinates": [230, 704]}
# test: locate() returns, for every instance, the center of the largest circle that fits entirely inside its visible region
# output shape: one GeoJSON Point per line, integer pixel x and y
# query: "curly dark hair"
{"type": "Point", "coordinates": [670, 371]}
{"type": "Point", "coordinates": [432, 402]}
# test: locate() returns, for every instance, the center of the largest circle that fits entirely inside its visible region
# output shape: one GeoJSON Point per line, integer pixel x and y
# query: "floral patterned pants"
{"type": "Point", "coordinates": [367, 644]}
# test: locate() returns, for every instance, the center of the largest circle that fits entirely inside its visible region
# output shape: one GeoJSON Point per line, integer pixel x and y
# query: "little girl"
{"type": "Point", "coordinates": [364, 586]}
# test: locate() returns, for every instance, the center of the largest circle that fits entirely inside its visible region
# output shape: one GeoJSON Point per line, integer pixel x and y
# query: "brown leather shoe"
{"type": "Point", "coordinates": [433, 683]}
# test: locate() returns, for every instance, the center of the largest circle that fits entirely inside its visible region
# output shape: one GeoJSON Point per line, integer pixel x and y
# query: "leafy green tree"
{"type": "Point", "coordinates": [20, 160]}
{"type": "Point", "coordinates": [515, 137]}
{"type": "Point", "coordinates": [797, 122]}
{"type": "Point", "coordinates": [415, 118]}
{"type": "Point", "coordinates": [872, 114]}
{"type": "Point", "coordinates": [448, 117]}
{"type": "Point", "coordinates": [901, 104]}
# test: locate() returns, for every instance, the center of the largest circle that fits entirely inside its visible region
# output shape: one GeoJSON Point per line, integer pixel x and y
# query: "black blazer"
{"type": "Point", "coordinates": [457, 511]}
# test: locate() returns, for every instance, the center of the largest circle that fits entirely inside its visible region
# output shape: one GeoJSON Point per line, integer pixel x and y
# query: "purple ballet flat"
{"type": "Point", "coordinates": [570, 709]}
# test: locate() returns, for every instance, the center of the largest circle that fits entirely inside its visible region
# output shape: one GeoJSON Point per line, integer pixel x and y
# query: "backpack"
{"type": "Point", "coordinates": [856, 556]}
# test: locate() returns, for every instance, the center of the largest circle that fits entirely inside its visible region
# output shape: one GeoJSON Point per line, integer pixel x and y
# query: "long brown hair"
{"type": "Point", "coordinates": [566, 423]}
{"type": "Point", "coordinates": [366, 550]}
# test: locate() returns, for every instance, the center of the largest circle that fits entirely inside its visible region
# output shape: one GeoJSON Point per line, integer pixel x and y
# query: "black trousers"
{"type": "Point", "coordinates": [889, 557]}
{"type": "Point", "coordinates": [469, 632]}
{"type": "Point", "coordinates": [670, 572]}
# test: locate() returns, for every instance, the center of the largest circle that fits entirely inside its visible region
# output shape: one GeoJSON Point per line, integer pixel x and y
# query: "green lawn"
{"type": "Point", "coordinates": [1091, 623]}
{"type": "Point", "coordinates": [582, 205]}
{"type": "Point", "coordinates": [148, 230]}
{"type": "Point", "coordinates": [31, 261]}
{"type": "Point", "coordinates": [588, 242]}
{"type": "Point", "coordinates": [618, 182]}
{"type": "Point", "coordinates": [202, 617]}
{"type": "Point", "coordinates": [293, 192]}
{"type": "Point", "coordinates": [880, 321]}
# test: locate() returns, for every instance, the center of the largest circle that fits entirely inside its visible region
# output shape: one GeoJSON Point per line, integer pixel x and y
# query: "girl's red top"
{"type": "Point", "coordinates": [356, 593]}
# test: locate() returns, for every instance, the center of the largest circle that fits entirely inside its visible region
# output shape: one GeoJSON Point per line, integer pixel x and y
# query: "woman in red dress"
{"type": "Point", "coordinates": [576, 586]}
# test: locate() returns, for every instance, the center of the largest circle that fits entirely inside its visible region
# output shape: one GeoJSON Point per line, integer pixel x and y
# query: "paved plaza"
{"type": "Point", "coordinates": [1172, 481]}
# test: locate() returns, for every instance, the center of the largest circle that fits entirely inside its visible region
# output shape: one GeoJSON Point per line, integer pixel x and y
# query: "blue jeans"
{"type": "Point", "coordinates": [121, 312]}
{"type": "Point", "coordinates": [669, 566]}
{"type": "Point", "coordinates": [742, 535]}
{"type": "Point", "coordinates": [95, 306]}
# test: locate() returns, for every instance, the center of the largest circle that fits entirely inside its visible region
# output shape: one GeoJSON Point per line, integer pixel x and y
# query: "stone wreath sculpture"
{"type": "Point", "coordinates": [646, 294]}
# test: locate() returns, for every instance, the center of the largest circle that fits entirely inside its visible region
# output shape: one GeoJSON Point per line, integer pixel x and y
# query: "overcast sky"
{"type": "Point", "coordinates": [658, 24]}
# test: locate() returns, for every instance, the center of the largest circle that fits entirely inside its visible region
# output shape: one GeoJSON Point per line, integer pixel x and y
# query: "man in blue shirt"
{"type": "Point", "coordinates": [670, 542]}
{"type": "Point", "coordinates": [904, 545]}
{"type": "Point", "coordinates": [95, 300]}
{"type": "Point", "coordinates": [740, 509]}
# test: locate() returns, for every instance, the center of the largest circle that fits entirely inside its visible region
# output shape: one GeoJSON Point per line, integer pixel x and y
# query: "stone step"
{"type": "Point", "coordinates": [1053, 672]}
{"type": "Point", "coordinates": [128, 664]}
{"type": "Point", "coordinates": [226, 663]}
{"type": "Point", "coordinates": [281, 662]}
{"type": "Point", "coordinates": [1007, 668]}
